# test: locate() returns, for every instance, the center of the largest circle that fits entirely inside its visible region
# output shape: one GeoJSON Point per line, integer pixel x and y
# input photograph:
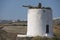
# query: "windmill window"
{"type": "Point", "coordinates": [44, 11]}
{"type": "Point", "coordinates": [47, 28]}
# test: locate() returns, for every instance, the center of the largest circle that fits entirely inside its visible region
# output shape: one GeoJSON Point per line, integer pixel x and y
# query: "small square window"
{"type": "Point", "coordinates": [44, 11]}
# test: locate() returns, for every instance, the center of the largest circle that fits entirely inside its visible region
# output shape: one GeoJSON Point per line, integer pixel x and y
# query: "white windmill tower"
{"type": "Point", "coordinates": [39, 21]}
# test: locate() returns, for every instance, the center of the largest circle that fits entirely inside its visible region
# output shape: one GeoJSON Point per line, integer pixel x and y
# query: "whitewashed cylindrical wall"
{"type": "Point", "coordinates": [37, 21]}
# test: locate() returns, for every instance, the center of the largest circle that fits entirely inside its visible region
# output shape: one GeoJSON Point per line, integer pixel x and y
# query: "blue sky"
{"type": "Point", "coordinates": [12, 9]}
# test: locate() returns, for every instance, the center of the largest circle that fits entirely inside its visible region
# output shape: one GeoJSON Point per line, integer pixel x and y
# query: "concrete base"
{"type": "Point", "coordinates": [23, 37]}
